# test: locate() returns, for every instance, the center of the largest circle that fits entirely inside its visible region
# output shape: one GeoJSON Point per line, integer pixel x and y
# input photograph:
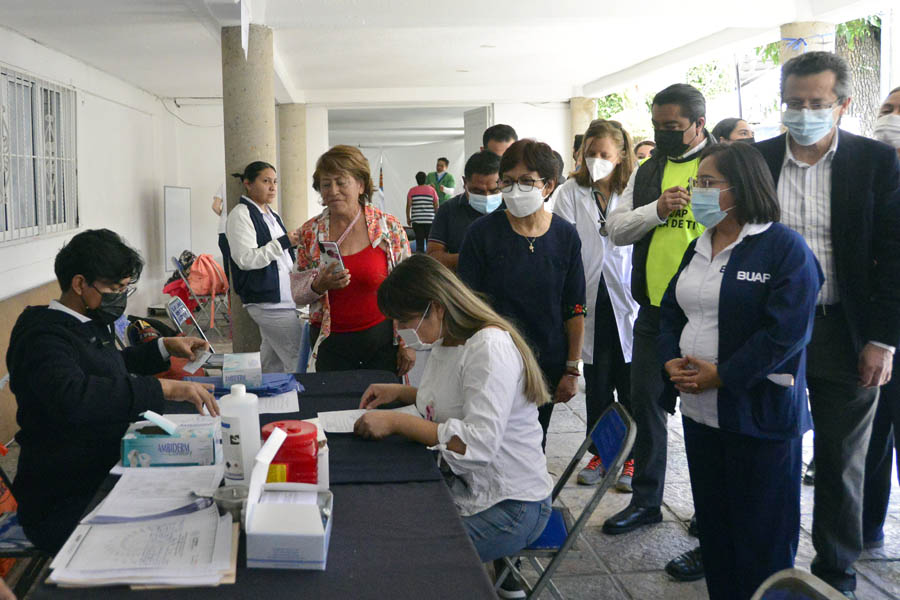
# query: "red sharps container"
{"type": "Point", "coordinates": [296, 460]}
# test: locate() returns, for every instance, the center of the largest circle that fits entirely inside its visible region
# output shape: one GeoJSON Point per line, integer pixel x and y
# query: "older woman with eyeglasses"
{"type": "Point", "coordinates": [347, 329]}
{"type": "Point", "coordinates": [527, 262]}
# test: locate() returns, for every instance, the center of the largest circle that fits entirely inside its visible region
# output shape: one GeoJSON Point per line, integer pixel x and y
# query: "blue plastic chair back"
{"type": "Point", "coordinates": [608, 436]}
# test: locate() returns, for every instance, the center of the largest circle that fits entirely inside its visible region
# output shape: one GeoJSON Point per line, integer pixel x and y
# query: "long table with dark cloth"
{"type": "Point", "coordinates": [396, 531]}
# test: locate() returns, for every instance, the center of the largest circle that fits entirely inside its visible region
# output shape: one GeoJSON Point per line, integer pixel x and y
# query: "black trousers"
{"type": "Point", "coordinates": [747, 501]}
{"type": "Point", "coordinates": [650, 444]}
{"type": "Point", "coordinates": [421, 230]}
{"type": "Point", "coordinates": [371, 348]}
{"type": "Point", "coordinates": [842, 412]}
{"type": "Point", "coordinates": [552, 375]}
{"type": "Point", "coordinates": [608, 372]}
{"type": "Point", "coordinates": [879, 459]}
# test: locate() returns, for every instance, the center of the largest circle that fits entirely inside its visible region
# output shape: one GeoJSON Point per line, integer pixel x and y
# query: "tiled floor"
{"type": "Point", "coordinates": [631, 565]}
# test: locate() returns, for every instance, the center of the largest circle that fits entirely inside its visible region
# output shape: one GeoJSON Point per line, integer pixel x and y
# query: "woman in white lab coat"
{"type": "Point", "coordinates": [585, 200]}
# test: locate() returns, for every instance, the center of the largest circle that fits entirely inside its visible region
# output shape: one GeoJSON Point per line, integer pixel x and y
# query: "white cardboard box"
{"type": "Point", "coordinates": [283, 535]}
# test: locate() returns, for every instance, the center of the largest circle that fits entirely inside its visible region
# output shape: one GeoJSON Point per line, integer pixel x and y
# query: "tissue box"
{"type": "Point", "coordinates": [242, 368]}
{"type": "Point", "coordinates": [197, 441]}
{"type": "Point", "coordinates": [289, 532]}
{"type": "Point", "coordinates": [290, 536]}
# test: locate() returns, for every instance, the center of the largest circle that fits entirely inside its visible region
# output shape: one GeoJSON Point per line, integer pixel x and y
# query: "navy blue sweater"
{"type": "Point", "coordinates": [75, 398]}
{"type": "Point", "coordinates": [765, 324]}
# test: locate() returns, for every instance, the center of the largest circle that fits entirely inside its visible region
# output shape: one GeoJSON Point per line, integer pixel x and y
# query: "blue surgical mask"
{"type": "Point", "coordinates": [485, 204]}
{"type": "Point", "coordinates": [705, 206]}
{"type": "Point", "coordinates": [808, 126]}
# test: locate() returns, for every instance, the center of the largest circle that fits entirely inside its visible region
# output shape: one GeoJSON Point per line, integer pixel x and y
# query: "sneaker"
{"type": "Point", "coordinates": [510, 589]}
{"type": "Point", "coordinates": [593, 472]}
{"type": "Point", "coordinates": [624, 482]}
{"type": "Point", "coordinates": [809, 478]}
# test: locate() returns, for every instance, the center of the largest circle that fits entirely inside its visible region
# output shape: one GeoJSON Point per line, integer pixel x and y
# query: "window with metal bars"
{"type": "Point", "coordinates": [38, 187]}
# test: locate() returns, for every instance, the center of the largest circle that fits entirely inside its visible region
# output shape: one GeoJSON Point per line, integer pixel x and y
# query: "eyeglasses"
{"type": "Point", "coordinates": [801, 104]}
{"type": "Point", "coordinates": [704, 182]}
{"type": "Point", "coordinates": [128, 290]}
{"type": "Point", "coordinates": [525, 184]}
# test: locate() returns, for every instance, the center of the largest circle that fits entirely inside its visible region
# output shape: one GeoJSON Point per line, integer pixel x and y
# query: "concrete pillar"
{"type": "Point", "coordinates": [294, 181]}
{"type": "Point", "coordinates": [805, 36]}
{"type": "Point", "coordinates": [584, 110]}
{"type": "Point", "coordinates": [248, 103]}
{"type": "Point", "coordinates": [317, 143]}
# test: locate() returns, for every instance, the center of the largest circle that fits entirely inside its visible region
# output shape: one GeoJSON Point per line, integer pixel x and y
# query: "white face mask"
{"type": "Point", "coordinates": [887, 130]}
{"type": "Point", "coordinates": [599, 168]}
{"type": "Point", "coordinates": [411, 338]}
{"type": "Point", "coordinates": [521, 204]}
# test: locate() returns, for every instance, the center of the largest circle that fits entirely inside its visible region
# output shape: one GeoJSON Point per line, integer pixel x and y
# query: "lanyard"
{"type": "Point", "coordinates": [601, 214]}
{"type": "Point", "coordinates": [350, 226]}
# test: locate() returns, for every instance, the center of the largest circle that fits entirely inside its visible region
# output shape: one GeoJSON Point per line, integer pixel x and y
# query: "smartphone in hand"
{"type": "Point", "coordinates": [331, 254]}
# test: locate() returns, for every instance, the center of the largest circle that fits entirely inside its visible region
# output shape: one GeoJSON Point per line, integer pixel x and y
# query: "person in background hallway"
{"type": "Point", "coordinates": [481, 196]}
{"type": "Point", "coordinates": [76, 393]}
{"type": "Point", "coordinates": [497, 138]}
{"type": "Point", "coordinates": [560, 169]}
{"type": "Point", "coordinates": [527, 262]}
{"type": "Point", "coordinates": [654, 215]}
{"type": "Point", "coordinates": [585, 200]}
{"type": "Point", "coordinates": [733, 130]}
{"type": "Point", "coordinates": [347, 330]}
{"type": "Point", "coordinates": [733, 328]}
{"type": "Point", "coordinates": [478, 402]}
{"type": "Point", "coordinates": [442, 181]}
{"type": "Point", "coordinates": [886, 424]}
{"type": "Point", "coordinates": [261, 252]}
{"type": "Point", "coordinates": [842, 193]}
{"type": "Point", "coordinates": [421, 205]}
{"type": "Point", "coordinates": [643, 149]}
{"type": "Point", "coordinates": [221, 210]}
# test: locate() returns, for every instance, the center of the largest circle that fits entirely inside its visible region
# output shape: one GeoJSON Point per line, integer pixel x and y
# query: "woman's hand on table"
{"type": "Point", "coordinates": [693, 375]}
{"type": "Point", "coordinates": [566, 388]}
{"type": "Point", "coordinates": [198, 394]}
{"type": "Point", "coordinates": [331, 277]}
{"type": "Point", "coordinates": [185, 347]}
{"type": "Point", "coordinates": [406, 360]}
{"type": "Point", "coordinates": [375, 425]}
{"type": "Point", "coordinates": [381, 393]}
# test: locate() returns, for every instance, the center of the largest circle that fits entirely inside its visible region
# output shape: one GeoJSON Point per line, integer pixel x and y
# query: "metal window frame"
{"type": "Point", "coordinates": [53, 157]}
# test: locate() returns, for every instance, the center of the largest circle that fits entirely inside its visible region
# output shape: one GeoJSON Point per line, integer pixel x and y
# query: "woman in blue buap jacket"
{"type": "Point", "coordinates": [734, 325]}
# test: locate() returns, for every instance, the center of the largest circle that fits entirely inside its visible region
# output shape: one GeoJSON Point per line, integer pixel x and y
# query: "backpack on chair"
{"type": "Point", "coordinates": [207, 278]}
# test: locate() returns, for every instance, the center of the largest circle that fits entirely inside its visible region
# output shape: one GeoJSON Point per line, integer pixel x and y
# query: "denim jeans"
{"type": "Point", "coordinates": [507, 527]}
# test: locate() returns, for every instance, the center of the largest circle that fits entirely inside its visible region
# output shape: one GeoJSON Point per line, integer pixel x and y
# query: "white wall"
{"type": "Point", "coordinates": [128, 148]}
{"type": "Point", "coordinates": [548, 122]}
{"type": "Point", "coordinates": [401, 163]}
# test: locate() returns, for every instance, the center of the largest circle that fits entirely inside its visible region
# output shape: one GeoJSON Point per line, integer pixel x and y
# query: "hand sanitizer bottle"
{"type": "Point", "coordinates": [240, 433]}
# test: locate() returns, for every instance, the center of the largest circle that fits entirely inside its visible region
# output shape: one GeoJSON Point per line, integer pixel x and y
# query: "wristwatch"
{"type": "Point", "coordinates": [575, 367]}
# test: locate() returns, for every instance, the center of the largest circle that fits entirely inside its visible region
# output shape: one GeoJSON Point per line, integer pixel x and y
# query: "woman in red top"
{"type": "Point", "coordinates": [347, 329]}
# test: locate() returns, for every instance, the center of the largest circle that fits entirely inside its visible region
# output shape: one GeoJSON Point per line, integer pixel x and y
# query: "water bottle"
{"type": "Point", "coordinates": [240, 433]}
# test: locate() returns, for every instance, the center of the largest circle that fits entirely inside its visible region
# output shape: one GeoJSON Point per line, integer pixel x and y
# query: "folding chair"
{"type": "Point", "coordinates": [613, 435]}
{"type": "Point", "coordinates": [794, 584]}
{"type": "Point", "coordinates": [14, 544]}
{"type": "Point", "coordinates": [205, 304]}
{"type": "Point", "coordinates": [180, 315]}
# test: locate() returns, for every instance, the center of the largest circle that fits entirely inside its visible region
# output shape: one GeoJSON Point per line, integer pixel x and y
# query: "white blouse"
{"type": "Point", "coordinates": [475, 391]}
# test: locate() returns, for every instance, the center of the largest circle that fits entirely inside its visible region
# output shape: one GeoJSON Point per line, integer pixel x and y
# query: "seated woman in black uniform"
{"type": "Point", "coordinates": [76, 393]}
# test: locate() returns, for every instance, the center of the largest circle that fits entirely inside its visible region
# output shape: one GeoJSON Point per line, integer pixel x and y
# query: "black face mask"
{"type": "Point", "coordinates": [749, 140]}
{"type": "Point", "coordinates": [112, 306]}
{"type": "Point", "coordinates": [671, 143]}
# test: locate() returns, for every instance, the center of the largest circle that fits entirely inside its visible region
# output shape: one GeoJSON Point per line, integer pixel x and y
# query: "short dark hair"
{"type": "Point", "coordinates": [536, 156]}
{"type": "Point", "coordinates": [724, 128]}
{"type": "Point", "coordinates": [498, 133]}
{"type": "Point", "coordinates": [444, 159]}
{"type": "Point", "coordinates": [421, 177]}
{"type": "Point", "coordinates": [754, 189]}
{"type": "Point", "coordinates": [98, 255]}
{"type": "Point", "coordinates": [252, 171]}
{"type": "Point", "coordinates": [650, 143]}
{"type": "Point", "coordinates": [812, 63]}
{"type": "Point", "coordinates": [483, 162]}
{"type": "Point", "coordinates": [687, 97]}
{"type": "Point", "coordinates": [577, 145]}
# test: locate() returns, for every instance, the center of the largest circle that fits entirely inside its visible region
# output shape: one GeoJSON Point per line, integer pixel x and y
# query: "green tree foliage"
{"type": "Point", "coordinates": [611, 104]}
{"type": "Point", "coordinates": [711, 78]}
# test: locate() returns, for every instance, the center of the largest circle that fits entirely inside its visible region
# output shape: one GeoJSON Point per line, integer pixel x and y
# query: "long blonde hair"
{"type": "Point", "coordinates": [601, 128]}
{"type": "Point", "coordinates": [420, 280]}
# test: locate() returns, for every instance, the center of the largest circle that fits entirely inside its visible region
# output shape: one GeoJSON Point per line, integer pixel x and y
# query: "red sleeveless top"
{"type": "Point", "coordinates": [355, 307]}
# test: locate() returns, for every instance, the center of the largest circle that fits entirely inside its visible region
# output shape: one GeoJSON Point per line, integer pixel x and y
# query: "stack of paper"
{"type": "Point", "coordinates": [184, 550]}
{"type": "Point", "coordinates": [342, 421]}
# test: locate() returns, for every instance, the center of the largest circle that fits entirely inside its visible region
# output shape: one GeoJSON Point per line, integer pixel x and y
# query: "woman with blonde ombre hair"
{"type": "Point", "coordinates": [585, 200]}
{"type": "Point", "coordinates": [347, 329]}
{"type": "Point", "coordinates": [478, 402]}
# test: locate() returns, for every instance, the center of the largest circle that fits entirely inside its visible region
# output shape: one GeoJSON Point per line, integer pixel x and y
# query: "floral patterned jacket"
{"type": "Point", "coordinates": [385, 231]}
